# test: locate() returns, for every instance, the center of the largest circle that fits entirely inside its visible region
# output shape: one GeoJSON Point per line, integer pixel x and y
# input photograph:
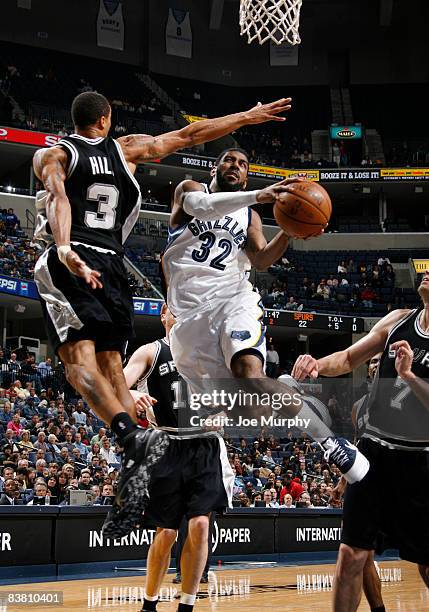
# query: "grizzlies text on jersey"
{"type": "Point", "coordinates": [203, 259]}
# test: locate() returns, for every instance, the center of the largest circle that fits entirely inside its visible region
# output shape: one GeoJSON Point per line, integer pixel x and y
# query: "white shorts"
{"type": "Point", "coordinates": [204, 341]}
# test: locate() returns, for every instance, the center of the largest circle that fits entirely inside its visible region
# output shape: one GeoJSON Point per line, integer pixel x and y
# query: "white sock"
{"type": "Point", "coordinates": [316, 428]}
{"type": "Point", "coordinates": [188, 600]}
{"type": "Point", "coordinates": [146, 596]}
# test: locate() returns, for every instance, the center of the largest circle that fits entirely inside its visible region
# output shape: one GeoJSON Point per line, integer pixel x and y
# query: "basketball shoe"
{"type": "Point", "coordinates": [143, 448]}
{"type": "Point", "coordinates": [347, 457]}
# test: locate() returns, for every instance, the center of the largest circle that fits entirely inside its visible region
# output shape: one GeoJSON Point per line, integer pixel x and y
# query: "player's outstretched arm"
{"type": "Point", "coordinates": [190, 200]}
{"type": "Point", "coordinates": [139, 148]}
{"type": "Point", "coordinates": [49, 166]}
{"type": "Point", "coordinates": [355, 355]}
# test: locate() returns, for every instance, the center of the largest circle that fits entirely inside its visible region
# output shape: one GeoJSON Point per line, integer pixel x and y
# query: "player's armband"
{"type": "Point", "coordinates": [212, 206]}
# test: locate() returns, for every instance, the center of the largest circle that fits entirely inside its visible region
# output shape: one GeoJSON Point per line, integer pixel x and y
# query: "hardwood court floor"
{"type": "Point", "coordinates": [276, 588]}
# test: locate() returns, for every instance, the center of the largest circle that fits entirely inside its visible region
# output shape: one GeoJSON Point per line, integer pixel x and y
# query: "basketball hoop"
{"type": "Point", "coordinates": [275, 20]}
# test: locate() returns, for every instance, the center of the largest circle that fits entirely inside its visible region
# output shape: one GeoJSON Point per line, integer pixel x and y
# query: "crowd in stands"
{"type": "Point", "coordinates": [337, 282]}
{"type": "Point", "coordinates": [36, 78]}
{"type": "Point", "coordinates": [352, 282]}
{"type": "Point", "coordinates": [405, 154]}
{"type": "Point", "coordinates": [286, 473]}
{"type": "Point", "coordinates": [364, 287]}
{"type": "Point", "coordinates": [50, 443]}
{"type": "Point", "coordinates": [18, 255]}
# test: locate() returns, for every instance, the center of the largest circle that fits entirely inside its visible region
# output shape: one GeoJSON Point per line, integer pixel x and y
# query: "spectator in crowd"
{"type": "Point", "coordinates": [274, 502]}
{"type": "Point", "coordinates": [41, 491]}
{"type": "Point", "coordinates": [25, 441]}
{"type": "Point", "coordinates": [52, 445]}
{"type": "Point", "coordinates": [10, 496]}
{"type": "Point", "coordinates": [9, 438]}
{"type": "Point", "coordinates": [368, 295]}
{"type": "Point", "coordinates": [15, 424]}
{"type": "Point", "coordinates": [83, 448]}
{"type": "Point", "coordinates": [68, 443]}
{"type": "Point", "coordinates": [342, 269]}
{"type": "Point", "coordinates": [304, 498]}
{"type": "Point", "coordinates": [106, 494]}
{"type": "Point", "coordinates": [95, 451]}
{"type": "Point", "coordinates": [291, 304]}
{"type": "Point", "coordinates": [85, 483]}
{"type": "Point", "coordinates": [267, 499]}
{"type": "Point", "coordinates": [287, 501]}
{"type": "Point", "coordinates": [41, 442]}
{"type": "Point", "coordinates": [95, 490]}
{"type": "Point", "coordinates": [96, 439]}
{"type": "Point", "coordinates": [273, 361]}
{"type": "Point", "coordinates": [79, 415]}
{"type": "Point", "coordinates": [6, 413]}
{"type": "Point", "coordinates": [8, 472]}
{"type": "Point", "coordinates": [106, 451]}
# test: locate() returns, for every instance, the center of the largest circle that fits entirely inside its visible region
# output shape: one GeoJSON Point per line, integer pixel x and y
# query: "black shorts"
{"type": "Point", "coordinates": [192, 479]}
{"type": "Point", "coordinates": [73, 311]}
{"type": "Point", "coordinates": [392, 499]}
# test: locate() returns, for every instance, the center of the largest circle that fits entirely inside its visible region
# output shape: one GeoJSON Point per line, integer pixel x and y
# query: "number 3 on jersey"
{"type": "Point", "coordinates": [208, 240]}
{"type": "Point", "coordinates": [107, 197]}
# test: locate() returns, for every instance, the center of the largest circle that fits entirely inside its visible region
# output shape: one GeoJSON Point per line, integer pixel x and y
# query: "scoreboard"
{"type": "Point", "coordinates": [312, 320]}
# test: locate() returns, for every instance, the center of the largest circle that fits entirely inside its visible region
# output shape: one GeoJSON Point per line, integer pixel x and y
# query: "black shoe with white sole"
{"type": "Point", "coordinates": [143, 448]}
{"type": "Point", "coordinates": [347, 457]}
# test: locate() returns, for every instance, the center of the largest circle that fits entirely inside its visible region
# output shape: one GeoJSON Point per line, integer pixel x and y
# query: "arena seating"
{"type": "Point", "coordinates": [48, 434]}
{"type": "Point", "coordinates": [37, 78]}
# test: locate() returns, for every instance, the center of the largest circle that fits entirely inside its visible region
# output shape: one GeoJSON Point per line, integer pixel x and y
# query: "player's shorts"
{"type": "Point", "coordinates": [392, 499]}
{"type": "Point", "coordinates": [193, 478]}
{"type": "Point", "coordinates": [73, 311]}
{"type": "Point", "coordinates": [204, 341]}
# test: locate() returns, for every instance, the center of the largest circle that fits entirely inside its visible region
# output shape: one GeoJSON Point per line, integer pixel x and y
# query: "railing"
{"type": "Point", "coordinates": [30, 219]}
{"type": "Point", "coordinates": [54, 379]}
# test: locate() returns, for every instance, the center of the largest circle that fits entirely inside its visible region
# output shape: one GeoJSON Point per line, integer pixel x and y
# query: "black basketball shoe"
{"type": "Point", "coordinates": [143, 448]}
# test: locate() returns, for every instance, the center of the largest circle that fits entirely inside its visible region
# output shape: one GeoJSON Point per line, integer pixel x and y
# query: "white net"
{"type": "Point", "coordinates": [276, 20]}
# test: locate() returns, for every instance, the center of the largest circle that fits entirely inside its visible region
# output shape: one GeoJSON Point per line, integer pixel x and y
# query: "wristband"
{"type": "Point", "coordinates": [62, 252]}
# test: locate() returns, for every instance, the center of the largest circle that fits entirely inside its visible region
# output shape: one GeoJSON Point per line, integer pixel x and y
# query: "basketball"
{"type": "Point", "coordinates": [304, 209]}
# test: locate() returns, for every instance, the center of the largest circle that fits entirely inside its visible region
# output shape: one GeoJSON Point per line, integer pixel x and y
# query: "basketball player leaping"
{"type": "Point", "coordinates": [395, 440]}
{"type": "Point", "coordinates": [193, 478]}
{"type": "Point", "coordinates": [371, 580]}
{"type": "Point", "coordinates": [214, 239]}
{"type": "Point", "coordinates": [89, 208]}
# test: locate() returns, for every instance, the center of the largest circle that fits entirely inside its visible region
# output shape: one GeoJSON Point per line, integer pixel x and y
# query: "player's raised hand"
{"type": "Point", "coordinates": [261, 113]}
{"type": "Point", "coordinates": [144, 401]}
{"type": "Point", "coordinates": [273, 192]}
{"type": "Point", "coordinates": [305, 367]}
{"type": "Point", "coordinates": [78, 267]}
{"type": "Point", "coordinates": [404, 358]}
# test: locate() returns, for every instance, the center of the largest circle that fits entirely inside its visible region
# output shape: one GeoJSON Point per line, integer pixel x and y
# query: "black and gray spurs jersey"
{"type": "Point", "coordinates": [395, 415]}
{"type": "Point", "coordinates": [164, 383]}
{"type": "Point", "coordinates": [103, 193]}
{"type": "Point", "coordinates": [172, 411]}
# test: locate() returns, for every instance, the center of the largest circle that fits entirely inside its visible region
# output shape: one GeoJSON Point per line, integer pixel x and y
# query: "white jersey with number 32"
{"type": "Point", "coordinates": [204, 261]}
